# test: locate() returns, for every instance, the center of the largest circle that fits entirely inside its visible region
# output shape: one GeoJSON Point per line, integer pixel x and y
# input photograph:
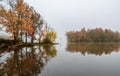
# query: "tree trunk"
{"type": "Point", "coordinates": [15, 36]}
{"type": "Point", "coordinates": [32, 39]}
{"type": "Point", "coordinates": [39, 40]}
{"type": "Point", "coordinates": [21, 37]}
{"type": "Point", "coordinates": [26, 37]}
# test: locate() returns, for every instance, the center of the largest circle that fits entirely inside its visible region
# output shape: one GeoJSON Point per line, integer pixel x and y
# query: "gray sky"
{"type": "Point", "coordinates": [64, 15]}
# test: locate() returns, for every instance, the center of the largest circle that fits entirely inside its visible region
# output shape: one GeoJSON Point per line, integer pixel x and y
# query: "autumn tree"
{"type": "Point", "coordinates": [49, 37]}
{"type": "Point", "coordinates": [22, 21]}
{"type": "Point", "coordinates": [93, 35]}
{"type": "Point", "coordinates": [18, 20]}
{"type": "Point", "coordinates": [37, 24]}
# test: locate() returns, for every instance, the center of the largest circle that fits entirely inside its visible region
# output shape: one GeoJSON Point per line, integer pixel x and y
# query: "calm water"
{"type": "Point", "coordinates": [81, 59]}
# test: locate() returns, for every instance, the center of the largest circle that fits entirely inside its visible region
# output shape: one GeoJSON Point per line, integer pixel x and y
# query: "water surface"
{"type": "Point", "coordinates": [72, 59]}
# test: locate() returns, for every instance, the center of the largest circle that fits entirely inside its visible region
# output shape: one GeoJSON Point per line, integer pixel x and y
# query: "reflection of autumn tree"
{"type": "Point", "coordinates": [93, 48]}
{"type": "Point", "coordinates": [28, 61]}
{"type": "Point", "coordinates": [50, 51]}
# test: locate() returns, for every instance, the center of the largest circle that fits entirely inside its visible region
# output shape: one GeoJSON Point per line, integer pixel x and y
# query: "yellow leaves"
{"type": "Point", "coordinates": [2, 12]}
{"type": "Point", "coordinates": [50, 36]}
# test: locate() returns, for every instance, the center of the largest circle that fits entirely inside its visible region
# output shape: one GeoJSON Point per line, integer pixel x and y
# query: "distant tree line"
{"type": "Point", "coordinates": [23, 22]}
{"type": "Point", "coordinates": [93, 35]}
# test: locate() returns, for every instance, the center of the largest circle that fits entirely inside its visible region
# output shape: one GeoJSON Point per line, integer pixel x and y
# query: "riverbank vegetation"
{"type": "Point", "coordinates": [93, 35]}
{"type": "Point", "coordinates": [25, 24]}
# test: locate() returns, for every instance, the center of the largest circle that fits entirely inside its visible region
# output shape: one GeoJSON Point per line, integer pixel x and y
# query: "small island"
{"type": "Point", "coordinates": [93, 35]}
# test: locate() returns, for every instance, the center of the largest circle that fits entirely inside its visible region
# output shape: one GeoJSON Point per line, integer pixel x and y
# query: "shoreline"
{"type": "Point", "coordinates": [15, 43]}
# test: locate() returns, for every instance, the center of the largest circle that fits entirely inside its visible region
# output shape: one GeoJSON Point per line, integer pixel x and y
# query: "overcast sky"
{"type": "Point", "coordinates": [65, 15]}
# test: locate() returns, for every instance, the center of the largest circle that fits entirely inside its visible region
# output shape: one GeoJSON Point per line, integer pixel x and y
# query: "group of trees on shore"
{"type": "Point", "coordinates": [93, 35]}
{"type": "Point", "coordinates": [22, 21]}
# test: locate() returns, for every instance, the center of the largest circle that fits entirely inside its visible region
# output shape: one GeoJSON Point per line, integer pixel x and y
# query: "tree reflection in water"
{"type": "Point", "coordinates": [27, 61]}
{"type": "Point", "coordinates": [93, 48]}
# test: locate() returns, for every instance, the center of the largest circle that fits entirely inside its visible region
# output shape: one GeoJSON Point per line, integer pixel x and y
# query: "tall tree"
{"type": "Point", "coordinates": [22, 20]}
{"type": "Point", "coordinates": [18, 20]}
{"type": "Point", "coordinates": [37, 24]}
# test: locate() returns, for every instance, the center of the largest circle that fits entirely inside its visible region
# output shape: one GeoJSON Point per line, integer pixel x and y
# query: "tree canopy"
{"type": "Point", "coordinates": [93, 35]}
{"type": "Point", "coordinates": [21, 20]}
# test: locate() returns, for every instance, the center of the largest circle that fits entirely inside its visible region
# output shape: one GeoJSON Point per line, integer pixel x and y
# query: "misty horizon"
{"type": "Point", "coordinates": [68, 15]}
